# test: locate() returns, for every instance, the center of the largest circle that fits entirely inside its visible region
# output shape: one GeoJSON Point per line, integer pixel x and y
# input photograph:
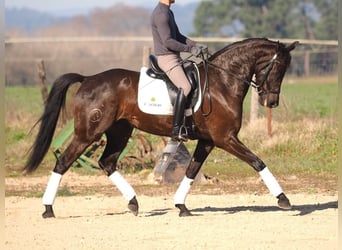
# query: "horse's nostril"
{"type": "Point", "coordinates": [273, 104]}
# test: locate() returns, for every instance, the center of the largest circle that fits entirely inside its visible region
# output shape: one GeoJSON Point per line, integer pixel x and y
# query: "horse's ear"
{"type": "Point", "coordinates": [292, 46]}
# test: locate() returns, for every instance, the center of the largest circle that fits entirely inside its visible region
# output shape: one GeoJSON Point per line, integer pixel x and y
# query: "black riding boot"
{"type": "Point", "coordinates": [179, 133]}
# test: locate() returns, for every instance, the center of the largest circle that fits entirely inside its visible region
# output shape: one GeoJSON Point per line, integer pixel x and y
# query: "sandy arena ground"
{"type": "Point", "coordinates": [237, 220]}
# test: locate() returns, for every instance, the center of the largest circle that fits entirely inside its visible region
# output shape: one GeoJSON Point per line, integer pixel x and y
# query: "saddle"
{"type": "Point", "coordinates": [157, 94]}
{"type": "Point", "coordinates": [191, 72]}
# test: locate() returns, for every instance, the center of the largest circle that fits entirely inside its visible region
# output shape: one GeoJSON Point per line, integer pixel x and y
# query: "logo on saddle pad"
{"type": "Point", "coordinates": [156, 97]}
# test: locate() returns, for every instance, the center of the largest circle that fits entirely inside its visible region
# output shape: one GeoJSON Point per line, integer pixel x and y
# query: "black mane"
{"type": "Point", "coordinates": [250, 42]}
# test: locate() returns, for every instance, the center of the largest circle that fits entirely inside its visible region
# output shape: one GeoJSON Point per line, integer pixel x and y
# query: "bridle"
{"type": "Point", "coordinates": [266, 71]}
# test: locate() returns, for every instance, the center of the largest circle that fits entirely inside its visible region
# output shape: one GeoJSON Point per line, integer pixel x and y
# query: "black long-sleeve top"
{"type": "Point", "coordinates": [166, 36]}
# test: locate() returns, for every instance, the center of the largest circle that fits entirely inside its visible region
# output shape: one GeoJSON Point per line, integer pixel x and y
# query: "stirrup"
{"type": "Point", "coordinates": [181, 136]}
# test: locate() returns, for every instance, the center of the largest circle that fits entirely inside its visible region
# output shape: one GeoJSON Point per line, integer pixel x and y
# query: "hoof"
{"type": "Point", "coordinates": [133, 206]}
{"type": "Point", "coordinates": [283, 202]}
{"type": "Point", "coordinates": [48, 212]}
{"type": "Point", "coordinates": [183, 210]}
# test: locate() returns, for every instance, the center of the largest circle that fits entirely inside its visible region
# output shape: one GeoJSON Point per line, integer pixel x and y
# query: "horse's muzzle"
{"type": "Point", "coordinates": [270, 100]}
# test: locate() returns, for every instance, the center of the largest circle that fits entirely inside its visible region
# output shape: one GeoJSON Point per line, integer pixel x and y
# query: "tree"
{"type": "Point", "coordinates": [327, 26]}
{"type": "Point", "coordinates": [306, 19]}
{"type": "Point", "coordinates": [267, 18]}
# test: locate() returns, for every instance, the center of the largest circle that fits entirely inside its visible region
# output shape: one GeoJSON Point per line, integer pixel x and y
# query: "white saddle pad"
{"type": "Point", "coordinates": [153, 96]}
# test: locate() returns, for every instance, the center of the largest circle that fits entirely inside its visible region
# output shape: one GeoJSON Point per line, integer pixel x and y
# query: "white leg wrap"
{"type": "Point", "coordinates": [183, 190]}
{"type": "Point", "coordinates": [271, 183]}
{"type": "Point", "coordinates": [124, 187]}
{"type": "Point", "coordinates": [51, 189]}
{"type": "Point", "coordinates": [171, 147]}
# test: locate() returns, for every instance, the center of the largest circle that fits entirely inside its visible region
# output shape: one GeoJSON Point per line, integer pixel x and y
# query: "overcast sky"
{"type": "Point", "coordinates": [59, 5]}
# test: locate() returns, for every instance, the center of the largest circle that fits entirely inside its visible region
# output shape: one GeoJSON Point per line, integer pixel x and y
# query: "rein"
{"type": "Point", "coordinates": [206, 88]}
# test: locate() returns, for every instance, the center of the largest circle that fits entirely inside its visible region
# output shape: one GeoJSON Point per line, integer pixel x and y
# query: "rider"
{"type": "Point", "coordinates": [168, 43]}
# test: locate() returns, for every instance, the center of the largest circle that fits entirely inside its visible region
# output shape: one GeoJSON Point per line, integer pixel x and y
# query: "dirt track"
{"type": "Point", "coordinates": [236, 221]}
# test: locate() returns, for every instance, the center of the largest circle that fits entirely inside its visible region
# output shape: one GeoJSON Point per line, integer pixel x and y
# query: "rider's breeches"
{"type": "Point", "coordinates": [171, 65]}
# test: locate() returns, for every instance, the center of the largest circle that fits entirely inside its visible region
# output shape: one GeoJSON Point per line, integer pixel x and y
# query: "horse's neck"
{"type": "Point", "coordinates": [241, 64]}
{"type": "Point", "coordinates": [248, 56]}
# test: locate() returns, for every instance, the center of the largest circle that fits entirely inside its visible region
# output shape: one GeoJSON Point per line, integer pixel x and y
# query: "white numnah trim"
{"type": "Point", "coordinates": [271, 182]}
{"type": "Point", "coordinates": [183, 190]}
{"type": "Point", "coordinates": [124, 187]}
{"type": "Point", "coordinates": [51, 189]}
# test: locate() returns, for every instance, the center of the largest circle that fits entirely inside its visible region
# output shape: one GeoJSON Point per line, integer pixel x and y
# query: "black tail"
{"type": "Point", "coordinates": [48, 121]}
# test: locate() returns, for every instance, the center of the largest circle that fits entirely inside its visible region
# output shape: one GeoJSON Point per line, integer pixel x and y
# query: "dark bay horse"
{"type": "Point", "coordinates": [107, 103]}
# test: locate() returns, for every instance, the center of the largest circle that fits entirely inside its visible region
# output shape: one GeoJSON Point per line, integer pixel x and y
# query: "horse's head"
{"type": "Point", "coordinates": [269, 74]}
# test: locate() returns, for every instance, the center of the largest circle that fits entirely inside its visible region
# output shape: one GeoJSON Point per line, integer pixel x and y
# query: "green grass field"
{"type": "Point", "coordinates": [304, 139]}
{"type": "Point", "coordinates": [298, 100]}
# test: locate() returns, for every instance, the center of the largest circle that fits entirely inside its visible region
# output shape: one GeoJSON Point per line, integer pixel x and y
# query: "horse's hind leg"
{"type": "Point", "coordinates": [117, 137]}
{"type": "Point", "coordinates": [73, 151]}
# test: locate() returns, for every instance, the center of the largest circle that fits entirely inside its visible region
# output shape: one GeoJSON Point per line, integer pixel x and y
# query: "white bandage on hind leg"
{"type": "Point", "coordinates": [183, 190]}
{"type": "Point", "coordinates": [51, 189]}
{"type": "Point", "coordinates": [271, 183]}
{"type": "Point", "coordinates": [124, 187]}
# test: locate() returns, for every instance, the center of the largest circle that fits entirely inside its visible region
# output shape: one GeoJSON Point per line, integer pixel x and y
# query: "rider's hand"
{"type": "Point", "coordinates": [202, 46]}
{"type": "Point", "coordinates": [200, 49]}
{"type": "Point", "coordinates": [196, 51]}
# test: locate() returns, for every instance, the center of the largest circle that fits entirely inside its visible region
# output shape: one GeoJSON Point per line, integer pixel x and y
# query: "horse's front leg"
{"type": "Point", "coordinates": [236, 147]}
{"type": "Point", "coordinates": [202, 150]}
